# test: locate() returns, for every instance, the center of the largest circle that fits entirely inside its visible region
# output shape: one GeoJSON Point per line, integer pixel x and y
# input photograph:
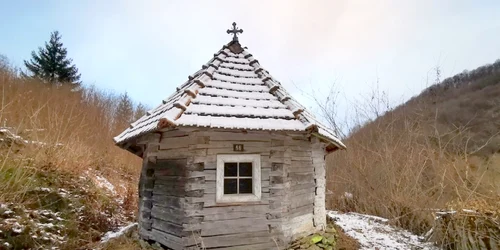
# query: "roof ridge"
{"type": "Point", "coordinates": [232, 90]}
{"type": "Point", "coordinates": [294, 106]}
{"type": "Point", "coordinates": [186, 93]}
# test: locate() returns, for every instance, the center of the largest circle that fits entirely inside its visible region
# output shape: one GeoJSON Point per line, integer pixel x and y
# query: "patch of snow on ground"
{"type": "Point", "coordinates": [104, 183]}
{"type": "Point", "coordinates": [373, 232]}
{"type": "Point", "coordinates": [110, 235]}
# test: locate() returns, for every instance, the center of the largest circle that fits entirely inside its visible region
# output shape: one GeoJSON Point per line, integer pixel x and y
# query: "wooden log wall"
{"type": "Point", "coordinates": [178, 208]}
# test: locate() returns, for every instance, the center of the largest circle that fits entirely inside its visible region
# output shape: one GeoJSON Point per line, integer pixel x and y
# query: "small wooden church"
{"type": "Point", "coordinates": [231, 160]}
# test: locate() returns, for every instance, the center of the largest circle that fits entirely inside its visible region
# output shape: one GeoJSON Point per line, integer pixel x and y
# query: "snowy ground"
{"type": "Point", "coordinates": [374, 233]}
{"type": "Point", "coordinates": [115, 234]}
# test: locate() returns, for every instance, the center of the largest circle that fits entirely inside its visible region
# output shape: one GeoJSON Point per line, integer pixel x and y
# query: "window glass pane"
{"type": "Point", "coordinates": [245, 186]}
{"type": "Point", "coordinates": [230, 169]}
{"type": "Point", "coordinates": [230, 186]}
{"type": "Point", "coordinates": [245, 169]}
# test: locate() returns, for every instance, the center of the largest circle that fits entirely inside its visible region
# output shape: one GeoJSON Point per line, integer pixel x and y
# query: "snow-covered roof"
{"type": "Point", "coordinates": [231, 91]}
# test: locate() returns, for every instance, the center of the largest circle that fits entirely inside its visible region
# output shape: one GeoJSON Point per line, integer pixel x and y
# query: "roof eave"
{"type": "Point", "coordinates": [334, 145]}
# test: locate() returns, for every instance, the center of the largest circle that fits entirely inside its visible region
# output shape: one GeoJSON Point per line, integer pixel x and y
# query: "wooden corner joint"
{"type": "Point", "coordinates": [311, 127]}
{"type": "Point", "coordinates": [235, 47]}
{"type": "Point", "coordinates": [267, 78]}
{"type": "Point", "coordinates": [331, 148]}
{"type": "Point", "coordinates": [296, 112]}
{"type": "Point", "coordinates": [208, 74]}
{"type": "Point", "coordinates": [213, 65]}
{"type": "Point", "coordinates": [285, 98]}
{"type": "Point", "coordinates": [200, 83]}
{"type": "Point", "coordinates": [190, 93]}
{"type": "Point", "coordinates": [253, 62]}
{"type": "Point", "coordinates": [274, 88]}
{"type": "Point", "coordinates": [219, 59]}
{"type": "Point", "coordinates": [180, 106]}
{"type": "Point", "coordinates": [165, 123]}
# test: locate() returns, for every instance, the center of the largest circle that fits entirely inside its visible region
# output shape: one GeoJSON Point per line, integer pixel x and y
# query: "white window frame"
{"type": "Point", "coordinates": [256, 194]}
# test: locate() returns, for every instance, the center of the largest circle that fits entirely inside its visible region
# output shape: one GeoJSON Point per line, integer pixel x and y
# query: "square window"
{"type": "Point", "coordinates": [230, 186]}
{"type": "Point", "coordinates": [230, 169]}
{"type": "Point", "coordinates": [245, 186]}
{"type": "Point", "coordinates": [238, 178]}
{"type": "Point", "coordinates": [245, 169]}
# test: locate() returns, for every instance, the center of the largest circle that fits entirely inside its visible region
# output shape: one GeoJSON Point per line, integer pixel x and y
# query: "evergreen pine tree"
{"type": "Point", "coordinates": [50, 63]}
{"type": "Point", "coordinates": [140, 111]}
{"type": "Point", "coordinates": [124, 111]}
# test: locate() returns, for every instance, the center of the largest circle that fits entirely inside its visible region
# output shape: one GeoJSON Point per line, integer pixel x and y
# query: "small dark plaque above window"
{"type": "Point", "coordinates": [238, 147]}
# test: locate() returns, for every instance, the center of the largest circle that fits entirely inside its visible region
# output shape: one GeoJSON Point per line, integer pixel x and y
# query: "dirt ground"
{"type": "Point", "coordinates": [345, 241]}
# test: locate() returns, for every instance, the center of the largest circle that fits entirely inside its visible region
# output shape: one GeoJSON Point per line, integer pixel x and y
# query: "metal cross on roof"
{"type": "Point", "coordinates": [235, 32]}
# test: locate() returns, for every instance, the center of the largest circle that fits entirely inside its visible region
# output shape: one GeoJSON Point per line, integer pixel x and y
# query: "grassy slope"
{"type": "Point", "coordinates": [438, 150]}
{"type": "Point", "coordinates": [57, 194]}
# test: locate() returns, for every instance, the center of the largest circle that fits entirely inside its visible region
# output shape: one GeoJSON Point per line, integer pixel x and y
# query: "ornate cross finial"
{"type": "Point", "coordinates": [235, 32]}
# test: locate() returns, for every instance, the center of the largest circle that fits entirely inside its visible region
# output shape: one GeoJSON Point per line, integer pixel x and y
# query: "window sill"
{"type": "Point", "coordinates": [238, 198]}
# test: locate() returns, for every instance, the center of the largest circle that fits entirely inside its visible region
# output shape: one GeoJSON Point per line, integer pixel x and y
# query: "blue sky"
{"type": "Point", "coordinates": [147, 48]}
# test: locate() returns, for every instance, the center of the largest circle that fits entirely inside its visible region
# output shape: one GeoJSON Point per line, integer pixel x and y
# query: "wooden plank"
{"type": "Point", "coordinates": [301, 170]}
{"type": "Point", "coordinates": [180, 153]}
{"type": "Point", "coordinates": [302, 164]}
{"type": "Point", "coordinates": [176, 202]}
{"type": "Point", "coordinates": [175, 216]}
{"type": "Point", "coordinates": [171, 163]}
{"type": "Point", "coordinates": [301, 158]}
{"type": "Point", "coordinates": [180, 180]}
{"type": "Point", "coordinates": [319, 212]}
{"type": "Point", "coordinates": [175, 133]}
{"type": "Point", "coordinates": [248, 150]}
{"type": "Point", "coordinates": [244, 225]}
{"type": "Point", "coordinates": [275, 142]}
{"type": "Point", "coordinates": [299, 211]}
{"type": "Point", "coordinates": [179, 192]}
{"type": "Point", "coordinates": [168, 201]}
{"type": "Point", "coordinates": [302, 200]}
{"type": "Point", "coordinates": [161, 184]}
{"type": "Point", "coordinates": [241, 239]}
{"type": "Point", "coordinates": [143, 233]}
{"type": "Point", "coordinates": [302, 153]}
{"type": "Point", "coordinates": [242, 208]}
{"type": "Point", "coordinates": [229, 144]}
{"type": "Point", "coordinates": [260, 246]}
{"type": "Point", "coordinates": [301, 178]}
{"type": "Point", "coordinates": [177, 142]}
{"type": "Point", "coordinates": [237, 136]}
{"type": "Point", "coordinates": [302, 186]}
{"type": "Point", "coordinates": [300, 192]}
{"type": "Point", "coordinates": [168, 227]}
{"type": "Point", "coordinates": [209, 200]}
{"type": "Point", "coordinates": [299, 224]}
{"type": "Point", "coordinates": [233, 215]}
{"type": "Point", "coordinates": [166, 239]}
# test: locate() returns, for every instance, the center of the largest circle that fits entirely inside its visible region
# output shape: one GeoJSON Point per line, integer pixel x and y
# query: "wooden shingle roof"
{"type": "Point", "coordinates": [231, 91]}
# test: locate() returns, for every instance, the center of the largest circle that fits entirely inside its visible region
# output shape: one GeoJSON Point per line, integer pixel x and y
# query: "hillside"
{"type": "Point", "coordinates": [469, 101]}
{"type": "Point", "coordinates": [64, 182]}
{"type": "Point", "coordinates": [440, 150]}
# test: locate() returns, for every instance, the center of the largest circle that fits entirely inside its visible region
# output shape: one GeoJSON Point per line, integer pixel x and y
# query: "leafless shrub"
{"type": "Point", "coordinates": [408, 161]}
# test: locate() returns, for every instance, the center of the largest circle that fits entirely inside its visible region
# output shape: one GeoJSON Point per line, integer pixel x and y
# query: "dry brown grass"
{"type": "Point", "coordinates": [81, 121]}
{"type": "Point", "coordinates": [405, 165]}
{"type": "Point", "coordinates": [76, 129]}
